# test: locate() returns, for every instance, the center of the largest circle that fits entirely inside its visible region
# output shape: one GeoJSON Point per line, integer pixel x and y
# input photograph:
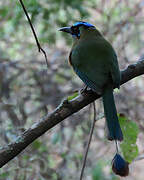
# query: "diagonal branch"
{"type": "Point", "coordinates": [64, 110]}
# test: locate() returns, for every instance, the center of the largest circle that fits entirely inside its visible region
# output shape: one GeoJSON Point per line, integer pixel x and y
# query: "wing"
{"type": "Point", "coordinates": [82, 73]}
{"type": "Point", "coordinates": [87, 80]}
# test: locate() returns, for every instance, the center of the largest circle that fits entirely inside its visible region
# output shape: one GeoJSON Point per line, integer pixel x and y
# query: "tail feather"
{"type": "Point", "coordinates": [113, 126]}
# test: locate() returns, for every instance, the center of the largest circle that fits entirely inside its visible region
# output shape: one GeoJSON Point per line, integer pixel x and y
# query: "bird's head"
{"type": "Point", "coordinates": [77, 28]}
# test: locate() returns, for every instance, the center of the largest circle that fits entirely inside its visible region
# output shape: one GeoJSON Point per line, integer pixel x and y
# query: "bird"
{"type": "Point", "coordinates": [94, 60]}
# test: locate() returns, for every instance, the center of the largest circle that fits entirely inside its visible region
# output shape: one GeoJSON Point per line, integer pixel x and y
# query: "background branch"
{"type": "Point", "coordinates": [64, 110]}
{"type": "Point", "coordinates": [40, 49]}
{"type": "Point", "coordinates": [88, 143]}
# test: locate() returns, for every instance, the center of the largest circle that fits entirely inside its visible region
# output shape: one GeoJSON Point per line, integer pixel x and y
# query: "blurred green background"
{"type": "Point", "coordinates": [28, 90]}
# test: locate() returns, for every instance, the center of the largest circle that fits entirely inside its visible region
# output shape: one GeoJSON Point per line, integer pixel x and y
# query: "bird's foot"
{"type": "Point", "coordinates": [84, 90]}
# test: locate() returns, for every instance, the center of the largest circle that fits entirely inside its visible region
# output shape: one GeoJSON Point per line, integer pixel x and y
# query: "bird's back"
{"type": "Point", "coordinates": [93, 58]}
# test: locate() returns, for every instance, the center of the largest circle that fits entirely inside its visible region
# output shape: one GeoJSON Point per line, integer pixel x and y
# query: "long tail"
{"type": "Point", "coordinates": [113, 126]}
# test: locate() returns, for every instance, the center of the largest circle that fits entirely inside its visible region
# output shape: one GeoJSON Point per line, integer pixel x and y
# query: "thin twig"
{"type": "Point", "coordinates": [40, 49]}
{"type": "Point", "coordinates": [89, 141]}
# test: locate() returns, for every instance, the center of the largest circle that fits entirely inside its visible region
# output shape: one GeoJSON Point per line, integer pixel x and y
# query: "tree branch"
{"type": "Point", "coordinates": [64, 110]}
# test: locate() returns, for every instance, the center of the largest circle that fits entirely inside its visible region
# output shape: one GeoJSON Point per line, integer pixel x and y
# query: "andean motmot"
{"type": "Point", "coordinates": [94, 60]}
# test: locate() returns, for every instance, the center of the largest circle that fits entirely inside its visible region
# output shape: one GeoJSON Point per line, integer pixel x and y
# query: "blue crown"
{"type": "Point", "coordinates": [80, 23]}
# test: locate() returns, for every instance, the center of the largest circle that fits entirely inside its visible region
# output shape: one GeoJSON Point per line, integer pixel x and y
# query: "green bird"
{"type": "Point", "coordinates": [95, 62]}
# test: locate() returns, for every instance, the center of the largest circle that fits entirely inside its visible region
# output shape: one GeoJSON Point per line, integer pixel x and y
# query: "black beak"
{"type": "Point", "coordinates": [66, 29]}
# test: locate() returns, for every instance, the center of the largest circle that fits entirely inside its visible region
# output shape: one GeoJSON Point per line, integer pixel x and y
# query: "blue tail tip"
{"type": "Point", "coordinates": [120, 166]}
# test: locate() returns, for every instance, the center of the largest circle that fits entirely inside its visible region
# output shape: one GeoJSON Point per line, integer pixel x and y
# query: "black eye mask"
{"type": "Point", "coordinates": [75, 31]}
